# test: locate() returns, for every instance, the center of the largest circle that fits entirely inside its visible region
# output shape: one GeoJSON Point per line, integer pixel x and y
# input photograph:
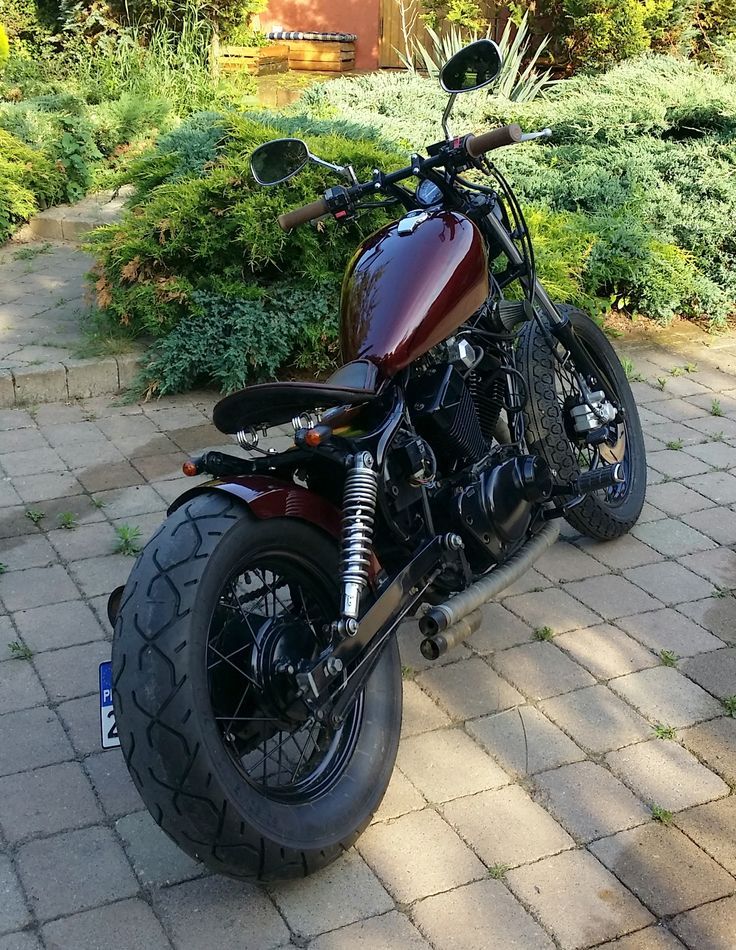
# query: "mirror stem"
{"type": "Point", "coordinates": [446, 115]}
{"type": "Point", "coordinates": [345, 170]}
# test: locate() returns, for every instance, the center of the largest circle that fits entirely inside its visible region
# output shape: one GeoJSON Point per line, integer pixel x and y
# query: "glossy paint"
{"type": "Point", "coordinates": [404, 293]}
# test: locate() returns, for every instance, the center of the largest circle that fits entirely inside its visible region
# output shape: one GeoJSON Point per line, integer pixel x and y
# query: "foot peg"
{"type": "Point", "coordinates": [605, 477]}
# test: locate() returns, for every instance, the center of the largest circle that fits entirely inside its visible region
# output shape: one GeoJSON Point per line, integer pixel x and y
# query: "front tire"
{"type": "Point", "coordinates": [601, 515]}
{"type": "Point", "coordinates": [182, 657]}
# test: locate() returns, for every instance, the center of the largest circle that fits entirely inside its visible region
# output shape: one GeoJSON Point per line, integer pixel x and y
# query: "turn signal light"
{"type": "Point", "coordinates": [317, 435]}
{"type": "Point", "coordinates": [190, 468]}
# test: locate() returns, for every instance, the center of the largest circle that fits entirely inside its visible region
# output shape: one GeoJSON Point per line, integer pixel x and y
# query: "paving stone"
{"type": "Point", "coordinates": [36, 587]}
{"type": "Point", "coordinates": [87, 540]}
{"type": "Point", "coordinates": [577, 899]}
{"type": "Point", "coordinates": [112, 783]}
{"type": "Point", "coordinates": [101, 575]}
{"type": "Point", "coordinates": [74, 871]}
{"type": "Point", "coordinates": [664, 695]}
{"type": "Point", "coordinates": [465, 919]}
{"type": "Point", "coordinates": [154, 856]}
{"type": "Point", "coordinates": [715, 672]}
{"type": "Point", "coordinates": [8, 635]}
{"type": "Point", "coordinates": [524, 741]}
{"type": "Point", "coordinates": [80, 455]}
{"type": "Point", "coordinates": [15, 524]}
{"type": "Point", "coordinates": [710, 927]}
{"type": "Point", "coordinates": [58, 413]}
{"type": "Point", "coordinates": [109, 476]}
{"type": "Point", "coordinates": [30, 550]}
{"type": "Point", "coordinates": [448, 764]}
{"type": "Point", "coordinates": [651, 938]}
{"type": "Point", "coordinates": [120, 427]}
{"type": "Point", "coordinates": [612, 596]}
{"type": "Point", "coordinates": [564, 562]}
{"type": "Point", "coordinates": [714, 743]}
{"type": "Point", "coordinates": [588, 801]}
{"type": "Point", "coordinates": [530, 581]}
{"type": "Point", "coordinates": [401, 797]}
{"type": "Point", "coordinates": [711, 826]}
{"type": "Point", "coordinates": [469, 689]}
{"type": "Point", "coordinates": [662, 773]}
{"type": "Point", "coordinates": [718, 566]}
{"type": "Point", "coordinates": [15, 419]}
{"type": "Point", "coordinates": [13, 911]}
{"type": "Point", "coordinates": [665, 870]}
{"type": "Point", "coordinates": [676, 464]}
{"type": "Point", "coordinates": [178, 417]}
{"type": "Point", "coordinates": [716, 614]}
{"type": "Point", "coordinates": [133, 924]}
{"type": "Point", "coordinates": [58, 625]}
{"type": "Point", "coordinates": [673, 538]}
{"type": "Point", "coordinates": [68, 433]}
{"type": "Point", "coordinates": [606, 651]}
{"type": "Point", "coordinates": [676, 499]}
{"type": "Point", "coordinates": [39, 488]}
{"type": "Point", "coordinates": [717, 523]}
{"type": "Point", "coordinates": [45, 801]}
{"type": "Point", "coordinates": [340, 894]}
{"type": "Point", "coordinates": [418, 855]}
{"type": "Point", "coordinates": [541, 670]}
{"type": "Point", "coordinates": [9, 499]}
{"type": "Point", "coordinates": [81, 718]}
{"type": "Point", "coordinates": [719, 487]}
{"type": "Point", "coordinates": [597, 719]}
{"type": "Point", "coordinates": [710, 426]}
{"type": "Point", "coordinates": [505, 826]}
{"type": "Point", "coordinates": [387, 932]}
{"type": "Point", "coordinates": [193, 438]}
{"type": "Point", "coordinates": [410, 637]}
{"type": "Point", "coordinates": [217, 912]}
{"type": "Point", "coordinates": [499, 630]}
{"type": "Point", "coordinates": [73, 671]}
{"type": "Point", "coordinates": [24, 940]}
{"type": "Point", "coordinates": [33, 462]}
{"type": "Point", "coordinates": [20, 688]}
{"type": "Point", "coordinates": [677, 410]}
{"type": "Point", "coordinates": [49, 744]}
{"type": "Point", "coordinates": [81, 505]}
{"type": "Point", "coordinates": [669, 630]}
{"type": "Point", "coordinates": [421, 714]}
{"type": "Point", "coordinates": [554, 608]}
{"type": "Point", "coordinates": [623, 552]}
{"type": "Point", "coordinates": [124, 502]}
{"type": "Point", "coordinates": [161, 466]}
{"type": "Point", "coordinates": [22, 440]}
{"type": "Point", "coordinates": [717, 454]}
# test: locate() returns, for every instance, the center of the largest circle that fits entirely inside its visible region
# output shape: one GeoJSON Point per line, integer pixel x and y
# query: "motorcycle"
{"type": "Point", "coordinates": [257, 683]}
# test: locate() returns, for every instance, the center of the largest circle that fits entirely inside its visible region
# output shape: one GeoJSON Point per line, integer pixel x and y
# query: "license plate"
{"type": "Point", "coordinates": [108, 729]}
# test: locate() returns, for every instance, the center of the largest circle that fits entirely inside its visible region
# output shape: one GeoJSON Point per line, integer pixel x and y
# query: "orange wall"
{"type": "Point", "coordinates": [348, 16]}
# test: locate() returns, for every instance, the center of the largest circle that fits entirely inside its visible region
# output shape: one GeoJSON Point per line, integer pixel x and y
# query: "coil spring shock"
{"type": "Point", "coordinates": [359, 512]}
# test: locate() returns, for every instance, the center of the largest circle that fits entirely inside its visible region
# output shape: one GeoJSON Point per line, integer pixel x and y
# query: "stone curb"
{"type": "Point", "coordinates": [70, 379]}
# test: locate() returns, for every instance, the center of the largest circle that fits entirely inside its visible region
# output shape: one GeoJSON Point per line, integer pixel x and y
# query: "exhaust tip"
{"type": "Point", "coordinates": [430, 649]}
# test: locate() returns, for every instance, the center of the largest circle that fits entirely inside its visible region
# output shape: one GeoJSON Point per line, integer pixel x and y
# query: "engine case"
{"type": "Point", "coordinates": [445, 415]}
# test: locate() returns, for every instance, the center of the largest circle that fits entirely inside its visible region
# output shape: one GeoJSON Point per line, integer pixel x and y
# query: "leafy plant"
{"type": "Point", "coordinates": [68, 520]}
{"type": "Point", "coordinates": [715, 408]}
{"type": "Point", "coordinates": [661, 383]}
{"type": "Point", "coordinates": [675, 445]}
{"type": "Point", "coordinates": [129, 537]}
{"type": "Point", "coordinates": [729, 704]}
{"type": "Point", "coordinates": [668, 658]}
{"type": "Point", "coordinates": [19, 651]}
{"type": "Point", "coordinates": [34, 515]}
{"type": "Point", "coordinates": [3, 568]}
{"type": "Point", "coordinates": [660, 814]}
{"type": "Point", "coordinates": [544, 633]}
{"type": "Point", "coordinates": [631, 373]}
{"type": "Point", "coordinates": [498, 871]}
{"type": "Point", "coordinates": [664, 732]}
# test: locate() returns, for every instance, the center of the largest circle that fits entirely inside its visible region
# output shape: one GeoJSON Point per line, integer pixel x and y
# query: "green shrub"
{"type": "Point", "coordinates": [28, 181]}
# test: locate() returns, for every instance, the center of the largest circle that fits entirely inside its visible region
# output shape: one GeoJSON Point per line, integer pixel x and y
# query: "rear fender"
{"type": "Point", "coordinates": [272, 498]}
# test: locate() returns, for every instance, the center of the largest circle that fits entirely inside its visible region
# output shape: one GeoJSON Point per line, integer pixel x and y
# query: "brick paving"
{"type": "Point", "coordinates": [520, 811]}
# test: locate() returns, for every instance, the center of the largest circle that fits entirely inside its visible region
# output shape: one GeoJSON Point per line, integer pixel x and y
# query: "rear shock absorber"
{"type": "Point", "coordinates": [359, 512]}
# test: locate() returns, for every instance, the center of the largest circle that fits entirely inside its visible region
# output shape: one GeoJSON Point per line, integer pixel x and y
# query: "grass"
{"type": "Point", "coordinates": [668, 658]}
{"type": "Point", "coordinates": [68, 520]}
{"type": "Point", "coordinates": [729, 704]}
{"type": "Point", "coordinates": [544, 633]}
{"type": "Point", "coordinates": [98, 503]}
{"type": "Point", "coordinates": [19, 651]}
{"type": "Point", "coordinates": [408, 672]}
{"type": "Point", "coordinates": [34, 515]}
{"type": "Point", "coordinates": [3, 567]}
{"type": "Point", "coordinates": [677, 371]}
{"type": "Point", "coordinates": [28, 253]}
{"type": "Point", "coordinates": [498, 871]}
{"type": "Point", "coordinates": [717, 437]}
{"type": "Point", "coordinates": [664, 732]}
{"type": "Point", "coordinates": [720, 592]}
{"type": "Point", "coordinates": [129, 537]}
{"type": "Point", "coordinates": [660, 814]}
{"type": "Point", "coordinates": [690, 367]}
{"type": "Point", "coordinates": [631, 372]}
{"type": "Point", "coordinates": [715, 408]}
{"type": "Point", "coordinates": [661, 382]}
{"type": "Point", "coordinates": [675, 445]}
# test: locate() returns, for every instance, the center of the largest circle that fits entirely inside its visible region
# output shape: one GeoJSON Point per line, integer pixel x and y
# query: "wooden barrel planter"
{"type": "Point", "coordinates": [318, 52]}
{"type": "Point", "coordinates": [257, 60]}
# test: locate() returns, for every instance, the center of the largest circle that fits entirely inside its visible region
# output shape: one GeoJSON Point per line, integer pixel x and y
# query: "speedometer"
{"type": "Point", "coordinates": [428, 194]}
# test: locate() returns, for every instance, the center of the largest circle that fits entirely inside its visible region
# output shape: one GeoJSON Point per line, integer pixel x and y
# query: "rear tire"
{"type": "Point", "coordinates": [181, 758]}
{"type": "Point", "coordinates": [600, 516]}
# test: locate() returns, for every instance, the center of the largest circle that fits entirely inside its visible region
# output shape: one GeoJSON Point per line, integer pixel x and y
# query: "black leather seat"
{"type": "Point", "coordinates": [270, 404]}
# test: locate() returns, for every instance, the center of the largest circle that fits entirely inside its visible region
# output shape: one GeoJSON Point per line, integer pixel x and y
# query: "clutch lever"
{"type": "Point", "coordinates": [531, 136]}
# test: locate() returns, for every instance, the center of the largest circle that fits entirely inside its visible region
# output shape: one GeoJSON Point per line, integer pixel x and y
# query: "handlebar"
{"type": "Point", "coordinates": [476, 145]}
{"type": "Point", "coordinates": [473, 146]}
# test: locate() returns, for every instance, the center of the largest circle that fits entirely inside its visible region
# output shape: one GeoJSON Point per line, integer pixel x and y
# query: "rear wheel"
{"type": "Point", "coordinates": [217, 610]}
{"type": "Point", "coordinates": [553, 388]}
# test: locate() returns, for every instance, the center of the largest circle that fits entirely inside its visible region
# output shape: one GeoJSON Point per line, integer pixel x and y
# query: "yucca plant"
{"type": "Point", "coordinates": [516, 82]}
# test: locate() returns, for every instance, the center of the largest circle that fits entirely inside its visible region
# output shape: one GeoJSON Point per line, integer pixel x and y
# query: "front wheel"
{"type": "Point", "coordinates": [218, 608]}
{"type": "Point", "coordinates": [552, 390]}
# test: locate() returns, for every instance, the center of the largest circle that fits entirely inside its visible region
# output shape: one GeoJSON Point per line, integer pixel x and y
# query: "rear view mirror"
{"type": "Point", "coordinates": [278, 161]}
{"type": "Point", "coordinates": [473, 67]}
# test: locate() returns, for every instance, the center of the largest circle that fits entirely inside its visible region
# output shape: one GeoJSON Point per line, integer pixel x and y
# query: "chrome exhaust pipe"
{"type": "Point", "coordinates": [440, 621]}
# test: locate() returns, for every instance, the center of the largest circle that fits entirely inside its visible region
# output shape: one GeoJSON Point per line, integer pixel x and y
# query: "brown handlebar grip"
{"type": "Point", "coordinates": [292, 219]}
{"type": "Point", "coordinates": [507, 135]}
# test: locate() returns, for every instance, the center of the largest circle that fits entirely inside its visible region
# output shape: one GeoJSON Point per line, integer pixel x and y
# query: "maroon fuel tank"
{"type": "Point", "coordinates": [409, 286]}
